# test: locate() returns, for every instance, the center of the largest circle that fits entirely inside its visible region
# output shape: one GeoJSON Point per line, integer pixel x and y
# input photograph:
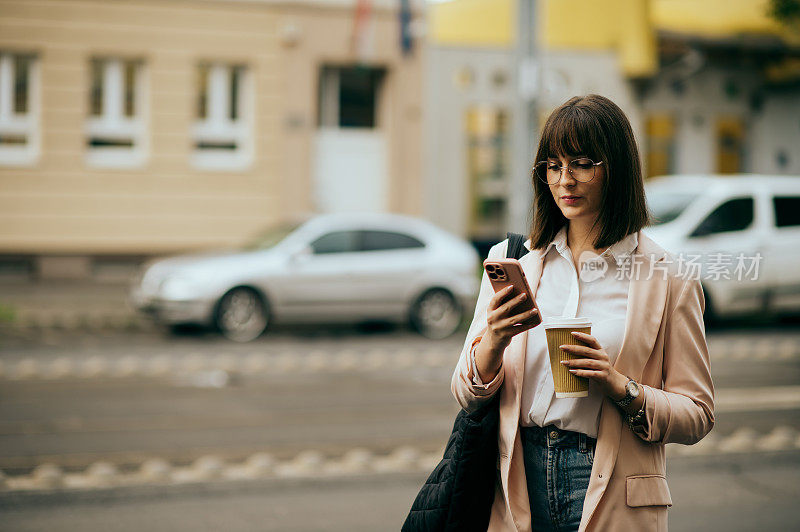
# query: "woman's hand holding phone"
{"type": "Point", "coordinates": [504, 321]}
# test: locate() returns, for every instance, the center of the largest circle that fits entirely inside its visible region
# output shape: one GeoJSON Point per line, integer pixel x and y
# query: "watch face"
{"type": "Point", "coordinates": [632, 389]}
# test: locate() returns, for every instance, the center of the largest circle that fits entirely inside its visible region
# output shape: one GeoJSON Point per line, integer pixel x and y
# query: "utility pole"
{"type": "Point", "coordinates": [528, 69]}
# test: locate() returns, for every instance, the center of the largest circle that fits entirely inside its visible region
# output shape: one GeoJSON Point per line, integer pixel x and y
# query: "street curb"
{"type": "Point", "coordinates": [89, 321]}
{"type": "Point", "coordinates": [218, 370]}
{"type": "Point", "coordinates": [311, 464]}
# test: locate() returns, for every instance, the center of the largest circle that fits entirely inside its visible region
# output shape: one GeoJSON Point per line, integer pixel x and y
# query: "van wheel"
{"type": "Point", "coordinates": [436, 314]}
{"type": "Point", "coordinates": [709, 314]}
{"type": "Point", "coordinates": [242, 315]}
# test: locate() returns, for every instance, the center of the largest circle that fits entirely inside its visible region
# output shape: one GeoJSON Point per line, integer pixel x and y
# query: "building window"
{"type": "Point", "coordinates": [19, 125]}
{"type": "Point", "coordinates": [349, 97]}
{"type": "Point", "coordinates": [487, 143]}
{"type": "Point", "coordinates": [730, 145]}
{"type": "Point", "coordinates": [116, 132]}
{"type": "Point", "coordinates": [223, 128]}
{"type": "Point", "coordinates": [660, 144]}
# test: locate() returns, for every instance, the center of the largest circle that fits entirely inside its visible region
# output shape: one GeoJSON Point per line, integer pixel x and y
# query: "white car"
{"type": "Point", "coordinates": [333, 268]}
{"type": "Point", "coordinates": [725, 218]}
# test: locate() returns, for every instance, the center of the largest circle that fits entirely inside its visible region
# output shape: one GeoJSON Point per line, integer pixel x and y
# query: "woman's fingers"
{"type": "Point", "coordinates": [499, 297]}
{"type": "Point", "coordinates": [588, 338]}
{"type": "Point", "coordinates": [522, 321]}
{"type": "Point", "coordinates": [511, 303]}
{"type": "Point", "coordinates": [583, 363]}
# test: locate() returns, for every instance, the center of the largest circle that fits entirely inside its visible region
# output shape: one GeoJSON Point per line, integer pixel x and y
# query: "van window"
{"type": "Point", "coordinates": [666, 206]}
{"type": "Point", "coordinates": [733, 215]}
{"type": "Point", "coordinates": [787, 211]}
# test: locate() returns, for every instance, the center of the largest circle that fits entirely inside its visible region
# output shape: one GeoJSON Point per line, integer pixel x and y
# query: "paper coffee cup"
{"type": "Point", "coordinates": [557, 330]}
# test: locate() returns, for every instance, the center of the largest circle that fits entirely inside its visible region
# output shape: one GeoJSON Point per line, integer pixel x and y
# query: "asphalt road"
{"type": "Point", "coordinates": [723, 495]}
{"type": "Point", "coordinates": [177, 415]}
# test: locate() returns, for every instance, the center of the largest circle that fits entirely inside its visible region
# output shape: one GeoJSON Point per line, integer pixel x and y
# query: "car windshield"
{"type": "Point", "coordinates": [270, 237]}
{"type": "Point", "coordinates": [666, 206]}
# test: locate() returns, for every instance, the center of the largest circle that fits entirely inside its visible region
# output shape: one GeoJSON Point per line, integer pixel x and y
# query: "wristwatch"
{"type": "Point", "coordinates": [631, 393]}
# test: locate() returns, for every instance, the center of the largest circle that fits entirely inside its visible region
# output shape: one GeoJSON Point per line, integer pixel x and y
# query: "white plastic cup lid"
{"type": "Point", "coordinates": [559, 321]}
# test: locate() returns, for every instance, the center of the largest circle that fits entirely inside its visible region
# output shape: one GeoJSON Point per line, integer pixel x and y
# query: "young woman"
{"type": "Point", "coordinates": [596, 462]}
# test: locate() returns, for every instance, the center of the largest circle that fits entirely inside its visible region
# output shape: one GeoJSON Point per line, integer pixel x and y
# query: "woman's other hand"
{"type": "Point", "coordinates": [596, 366]}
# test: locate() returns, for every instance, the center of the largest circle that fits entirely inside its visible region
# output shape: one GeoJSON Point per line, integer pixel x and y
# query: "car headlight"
{"type": "Point", "coordinates": [179, 287]}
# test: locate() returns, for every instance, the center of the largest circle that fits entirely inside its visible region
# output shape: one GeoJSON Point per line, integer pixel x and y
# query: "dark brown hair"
{"type": "Point", "coordinates": [596, 127]}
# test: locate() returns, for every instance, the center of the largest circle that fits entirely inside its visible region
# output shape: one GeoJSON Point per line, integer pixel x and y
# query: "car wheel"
{"type": "Point", "coordinates": [242, 315]}
{"type": "Point", "coordinates": [436, 314]}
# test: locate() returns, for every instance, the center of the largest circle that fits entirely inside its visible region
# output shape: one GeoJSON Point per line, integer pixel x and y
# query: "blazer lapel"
{"type": "Point", "coordinates": [646, 302]}
{"type": "Point", "coordinates": [513, 472]}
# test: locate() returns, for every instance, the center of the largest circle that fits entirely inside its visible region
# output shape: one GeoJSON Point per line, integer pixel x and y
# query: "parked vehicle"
{"type": "Point", "coordinates": [720, 217]}
{"type": "Point", "coordinates": [333, 268]}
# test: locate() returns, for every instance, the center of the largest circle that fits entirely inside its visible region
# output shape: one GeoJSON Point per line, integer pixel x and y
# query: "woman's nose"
{"type": "Point", "coordinates": [565, 172]}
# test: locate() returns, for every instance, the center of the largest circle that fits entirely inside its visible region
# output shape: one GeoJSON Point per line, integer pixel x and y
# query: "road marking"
{"type": "Point", "coordinates": [311, 463]}
{"type": "Point", "coordinates": [319, 360]}
{"type": "Point", "coordinates": [757, 398]}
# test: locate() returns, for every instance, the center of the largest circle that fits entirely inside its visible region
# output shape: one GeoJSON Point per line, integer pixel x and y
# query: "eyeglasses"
{"type": "Point", "coordinates": [582, 169]}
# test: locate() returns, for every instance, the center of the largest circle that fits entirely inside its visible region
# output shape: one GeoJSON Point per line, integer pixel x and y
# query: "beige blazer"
{"type": "Point", "coordinates": [664, 349]}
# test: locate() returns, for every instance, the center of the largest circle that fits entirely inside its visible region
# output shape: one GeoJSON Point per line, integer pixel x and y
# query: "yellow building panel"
{"type": "Point", "coordinates": [624, 26]}
{"type": "Point", "coordinates": [473, 23]}
{"type": "Point", "coordinates": [580, 24]}
{"type": "Point", "coordinates": [713, 17]}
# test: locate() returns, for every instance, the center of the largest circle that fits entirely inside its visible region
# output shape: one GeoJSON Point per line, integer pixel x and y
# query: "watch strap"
{"type": "Point", "coordinates": [625, 401]}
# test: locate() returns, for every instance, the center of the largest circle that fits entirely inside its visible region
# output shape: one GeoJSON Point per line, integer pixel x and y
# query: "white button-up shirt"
{"type": "Point", "coordinates": [603, 298]}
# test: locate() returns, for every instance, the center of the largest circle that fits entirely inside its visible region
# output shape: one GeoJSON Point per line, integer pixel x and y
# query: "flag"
{"type": "Point", "coordinates": [406, 43]}
{"type": "Point", "coordinates": [361, 40]}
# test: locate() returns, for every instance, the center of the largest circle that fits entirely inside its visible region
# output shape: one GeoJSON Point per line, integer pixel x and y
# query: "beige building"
{"type": "Point", "coordinates": [137, 127]}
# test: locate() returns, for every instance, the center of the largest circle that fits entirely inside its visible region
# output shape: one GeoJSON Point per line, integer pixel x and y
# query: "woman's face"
{"type": "Point", "coordinates": [587, 196]}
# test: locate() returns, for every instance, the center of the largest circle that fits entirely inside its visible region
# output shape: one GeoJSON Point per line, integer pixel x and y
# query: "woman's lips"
{"type": "Point", "coordinates": [570, 200]}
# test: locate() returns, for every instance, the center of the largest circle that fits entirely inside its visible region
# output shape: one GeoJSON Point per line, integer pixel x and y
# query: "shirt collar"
{"type": "Point", "coordinates": [620, 250]}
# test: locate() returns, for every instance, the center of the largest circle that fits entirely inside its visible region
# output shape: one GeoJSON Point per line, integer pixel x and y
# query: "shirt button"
{"type": "Point", "coordinates": [554, 434]}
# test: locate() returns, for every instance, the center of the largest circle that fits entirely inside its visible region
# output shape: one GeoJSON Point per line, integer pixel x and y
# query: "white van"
{"type": "Point", "coordinates": [745, 229]}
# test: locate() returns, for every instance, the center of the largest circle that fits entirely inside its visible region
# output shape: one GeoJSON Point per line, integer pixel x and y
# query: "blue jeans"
{"type": "Point", "coordinates": [558, 465]}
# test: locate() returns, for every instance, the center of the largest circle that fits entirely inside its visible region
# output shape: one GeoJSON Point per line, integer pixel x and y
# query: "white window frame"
{"type": "Point", "coordinates": [218, 127]}
{"type": "Point", "coordinates": [11, 123]}
{"type": "Point", "coordinates": [113, 124]}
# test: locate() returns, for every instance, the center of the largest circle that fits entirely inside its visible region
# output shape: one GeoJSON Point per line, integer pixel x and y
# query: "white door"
{"type": "Point", "coordinates": [350, 170]}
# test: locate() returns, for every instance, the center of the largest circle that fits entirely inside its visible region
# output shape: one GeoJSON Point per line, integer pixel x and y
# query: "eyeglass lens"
{"type": "Point", "coordinates": [581, 169]}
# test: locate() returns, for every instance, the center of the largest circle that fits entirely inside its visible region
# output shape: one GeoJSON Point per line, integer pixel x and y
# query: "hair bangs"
{"type": "Point", "coordinates": [570, 132]}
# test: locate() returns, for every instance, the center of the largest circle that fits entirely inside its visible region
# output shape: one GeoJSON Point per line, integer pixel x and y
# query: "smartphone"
{"type": "Point", "coordinates": [504, 272]}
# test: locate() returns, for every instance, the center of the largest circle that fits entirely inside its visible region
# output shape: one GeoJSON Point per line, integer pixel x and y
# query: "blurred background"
{"type": "Point", "coordinates": [240, 242]}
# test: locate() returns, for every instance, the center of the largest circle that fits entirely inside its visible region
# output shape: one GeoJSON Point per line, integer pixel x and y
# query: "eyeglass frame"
{"type": "Point", "coordinates": [562, 167]}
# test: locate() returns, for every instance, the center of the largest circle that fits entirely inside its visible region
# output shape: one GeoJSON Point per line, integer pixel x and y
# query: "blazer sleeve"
{"type": "Point", "coordinates": [466, 391]}
{"type": "Point", "coordinates": [683, 410]}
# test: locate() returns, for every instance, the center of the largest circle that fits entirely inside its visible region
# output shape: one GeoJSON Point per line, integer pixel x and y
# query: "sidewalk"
{"type": "Point", "coordinates": [67, 305]}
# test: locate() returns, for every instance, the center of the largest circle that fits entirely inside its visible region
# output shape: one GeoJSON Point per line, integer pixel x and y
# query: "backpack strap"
{"type": "Point", "coordinates": [516, 247]}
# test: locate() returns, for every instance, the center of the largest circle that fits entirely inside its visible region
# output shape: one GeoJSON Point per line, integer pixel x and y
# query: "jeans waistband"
{"type": "Point", "coordinates": [554, 436]}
